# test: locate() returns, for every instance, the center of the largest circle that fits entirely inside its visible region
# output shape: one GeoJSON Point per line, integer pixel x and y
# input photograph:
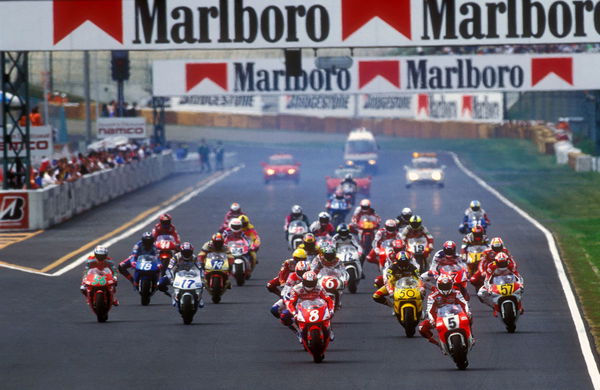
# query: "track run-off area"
{"type": "Point", "coordinates": [51, 338]}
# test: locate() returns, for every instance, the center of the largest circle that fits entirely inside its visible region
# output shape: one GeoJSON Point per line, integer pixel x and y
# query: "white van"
{"type": "Point", "coordinates": [361, 149]}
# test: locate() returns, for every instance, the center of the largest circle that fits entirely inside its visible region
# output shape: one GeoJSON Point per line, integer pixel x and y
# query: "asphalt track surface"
{"type": "Point", "coordinates": [50, 339]}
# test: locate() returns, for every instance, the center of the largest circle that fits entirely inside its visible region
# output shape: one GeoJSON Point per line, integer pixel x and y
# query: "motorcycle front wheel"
{"type": "Point", "coordinates": [100, 307]}
{"type": "Point", "coordinates": [187, 309]}
{"type": "Point", "coordinates": [145, 291]}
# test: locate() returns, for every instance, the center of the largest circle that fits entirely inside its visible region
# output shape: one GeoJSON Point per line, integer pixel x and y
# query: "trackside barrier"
{"type": "Point", "coordinates": [58, 203]}
{"type": "Point", "coordinates": [562, 150]}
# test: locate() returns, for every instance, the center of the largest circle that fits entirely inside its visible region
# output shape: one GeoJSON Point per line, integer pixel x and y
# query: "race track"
{"type": "Point", "coordinates": [50, 338]}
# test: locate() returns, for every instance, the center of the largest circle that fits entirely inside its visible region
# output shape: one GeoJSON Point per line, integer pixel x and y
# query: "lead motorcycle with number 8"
{"type": "Point", "coordinates": [313, 318]}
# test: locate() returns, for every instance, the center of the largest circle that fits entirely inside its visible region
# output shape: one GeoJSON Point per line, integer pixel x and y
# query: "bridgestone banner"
{"type": "Point", "coordinates": [236, 104]}
{"type": "Point", "coordinates": [125, 127]}
{"type": "Point", "coordinates": [329, 106]}
{"type": "Point", "coordinates": [481, 73]}
{"type": "Point", "coordinates": [243, 24]}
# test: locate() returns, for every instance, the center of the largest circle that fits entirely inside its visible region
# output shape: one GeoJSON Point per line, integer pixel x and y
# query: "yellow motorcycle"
{"type": "Point", "coordinates": [473, 257]}
{"type": "Point", "coordinates": [408, 303]}
{"type": "Point", "coordinates": [216, 268]}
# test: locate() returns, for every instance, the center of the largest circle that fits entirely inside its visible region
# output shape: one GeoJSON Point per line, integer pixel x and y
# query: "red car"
{"type": "Point", "coordinates": [357, 172]}
{"type": "Point", "coordinates": [281, 167]}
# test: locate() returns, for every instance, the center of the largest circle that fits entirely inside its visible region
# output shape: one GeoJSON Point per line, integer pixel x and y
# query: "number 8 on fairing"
{"type": "Point", "coordinates": [314, 315]}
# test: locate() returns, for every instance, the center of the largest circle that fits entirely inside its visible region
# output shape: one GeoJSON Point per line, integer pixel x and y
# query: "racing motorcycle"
{"type": "Point", "coordinates": [454, 331]}
{"type": "Point", "coordinates": [216, 268]}
{"type": "Point", "coordinates": [99, 291]}
{"type": "Point", "coordinates": [350, 258]}
{"type": "Point", "coordinates": [458, 273]}
{"type": "Point", "coordinates": [296, 231]}
{"type": "Point", "coordinates": [506, 294]}
{"type": "Point", "coordinates": [349, 191]}
{"type": "Point", "coordinates": [313, 319]}
{"type": "Point", "coordinates": [333, 281]}
{"type": "Point", "coordinates": [366, 232]}
{"type": "Point", "coordinates": [242, 264]}
{"type": "Point", "coordinates": [166, 247]}
{"type": "Point", "coordinates": [338, 209]}
{"type": "Point", "coordinates": [418, 246]}
{"type": "Point", "coordinates": [146, 275]}
{"type": "Point", "coordinates": [473, 257]}
{"type": "Point", "coordinates": [471, 223]}
{"type": "Point", "coordinates": [187, 293]}
{"type": "Point", "coordinates": [408, 304]}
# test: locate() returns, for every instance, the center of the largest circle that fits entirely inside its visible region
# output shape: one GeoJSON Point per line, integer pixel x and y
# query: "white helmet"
{"type": "Point", "coordinates": [235, 225]}
{"type": "Point", "coordinates": [296, 209]}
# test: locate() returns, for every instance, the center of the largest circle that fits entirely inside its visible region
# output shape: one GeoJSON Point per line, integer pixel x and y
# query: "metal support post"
{"type": "Point", "coordinates": [158, 119]}
{"type": "Point", "coordinates": [14, 84]}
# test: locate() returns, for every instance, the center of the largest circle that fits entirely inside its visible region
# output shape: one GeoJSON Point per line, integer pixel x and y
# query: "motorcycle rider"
{"type": "Point", "coordinates": [397, 246]}
{"type": "Point", "coordinates": [343, 204]}
{"type": "Point", "coordinates": [327, 259]}
{"type": "Point", "coordinates": [402, 266]}
{"type": "Point", "coordinates": [474, 211]}
{"type": "Point", "coordinates": [295, 215]}
{"type": "Point", "coordinates": [250, 232]}
{"type": "Point", "coordinates": [476, 237]}
{"type": "Point", "coordinates": [165, 227]}
{"type": "Point", "coordinates": [404, 218]}
{"type": "Point", "coordinates": [447, 257]}
{"type": "Point", "coordinates": [234, 233]}
{"type": "Point", "coordinates": [443, 295]}
{"type": "Point", "coordinates": [145, 246]}
{"type": "Point", "coordinates": [364, 209]}
{"type": "Point", "coordinates": [496, 247]}
{"type": "Point", "coordinates": [502, 265]}
{"type": "Point", "coordinates": [348, 179]}
{"type": "Point", "coordinates": [235, 211]}
{"type": "Point", "coordinates": [287, 267]}
{"type": "Point", "coordinates": [323, 226]}
{"type": "Point", "coordinates": [183, 260]}
{"type": "Point", "coordinates": [388, 232]}
{"type": "Point", "coordinates": [307, 290]}
{"type": "Point", "coordinates": [294, 278]}
{"type": "Point", "coordinates": [343, 237]}
{"type": "Point", "coordinates": [216, 244]}
{"type": "Point", "coordinates": [416, 230]}
{"type": "Point", "coordinates": [309, 244]}
{"type": "Point", "coordinates": [100, 260]}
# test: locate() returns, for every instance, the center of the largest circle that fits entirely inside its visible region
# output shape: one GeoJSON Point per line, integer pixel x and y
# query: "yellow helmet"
{"type": "Point", "coordinates": [245, 220]}
{"type": "Point", "coordinates": [299, 254]}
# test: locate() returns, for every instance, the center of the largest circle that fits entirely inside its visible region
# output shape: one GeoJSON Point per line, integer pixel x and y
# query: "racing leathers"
{"type": "Point", "coordinates": [228, 217]}
{"type": "Point", "coordinates": [320, 230]}
{"type": "Point", "coordinates": [492, 271]}
{"type": "Point", "coordinates": [395, 272]}
{"type": "Point", "coordinates": [287, 269]}
{"type": "Point", "coordinates": [180, 263]}
{"type": "Point", "coordinates": [440, 260]}
{"type": "Point", "coordinates": [139, 249]}
{"type": "Point", "coordinates": [92, 262]}
{"type": "Point", "coordinates": [359, 213]}
{"type": "Point", "coordinates": [349, 239]}
{"type": "Point", "coordinates": [299, 293]}
{"type": "Point", "coordinates": [230, 236]}
{"type": "Point", "coordinates": [381, 236]}
{"type": "Point", "coordinates": [487, 258]}
{"type": "Point", "coordinates": [253, 236]}
{"type": "Point", "coordinates": [279, 306]}
{"type": "Point", "coordinates": [161, 230]}
{"type": "Point", "coordinates": [294, 217]}
{"type": "Point", "coordinates": [471, 240]}
{"type": "Point", "coordinates": [208, 247]}
{"type": "Point", "coordinates": [470, 215]}
{"type": "Point", "coordinates": [435, 301]}
{"type": "Point", "coordinates": [409, 233]}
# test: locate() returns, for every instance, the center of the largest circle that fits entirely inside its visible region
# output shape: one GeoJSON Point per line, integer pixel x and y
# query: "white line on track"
{"type": "Point", "coordinates": [584, 339]}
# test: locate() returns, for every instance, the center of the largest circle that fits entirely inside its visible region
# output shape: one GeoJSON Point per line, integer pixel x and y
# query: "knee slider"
{"type": "Point", "coordinates": [275, 311]}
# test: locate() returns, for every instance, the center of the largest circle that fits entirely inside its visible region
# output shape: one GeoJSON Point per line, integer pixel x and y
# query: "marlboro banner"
{"type": "Point", "coordinates": [368, 75]}
{"type": "Point", "coordinates": [244, 24]}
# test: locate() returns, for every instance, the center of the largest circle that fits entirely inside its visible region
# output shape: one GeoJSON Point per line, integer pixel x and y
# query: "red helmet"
{"type": "Point", "coordinates": [301, 268]}
{"type": "Point", "coordinates": [497, 245]}
{"type": "Point", "coordinates": [217, 240]}
{"type": "Point", "coordinates": [449, 248]}
{"type": "Point", "coordinates": [502, 260]}
{"type": "Point", "coordinates": [309, 280]}
{"type": "Point", "coordinates": [165, 219]}
{"type": "Point", "coordinates": [187, 250]}
{"type": "Point", "coordinates": [478, 232]}
{"type": "Point", "coordinates": [398, 245]}
{"type": "Point", "coordinates": [444, 285]}
{"type": "Point", "coordinates": [235, 207]}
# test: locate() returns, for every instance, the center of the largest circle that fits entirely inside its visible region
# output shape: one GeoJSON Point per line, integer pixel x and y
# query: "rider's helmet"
{"type": "Point", "coordinates": [348, 177]}
{"type": "Point", "coordinates": [403, 258]}
{"type": "Point", "coordinates": [235, 225]}
{"type": "Point", "coordinates": [343, 230]}
{"type": "Point", "coordinates": [475, 205]}
{"type": "Point", "coordinates": [100, 253]}
{"type": "Point", "coordinates": [449, 248]}
{"type": "Point", "coordinates": [391, 226]}
{"type": "Point", "coordinates": [365, 205]}
{"type": "Point", "coordinates": [235, 207]}
{"type": "Point", "coordinates": [165, 220]}
{"type": "Point", "coordinates": [478, 232]}
{"type": "Point", "coordinates": [405, 215]}
{"type": "Point", "coordinates": [398, 245]}
{"type": "Point", "coordinates": [245, 221]}
{"type": "Point", "coordinates": [339, 194]}
{"type": "Point", "coordinates": [147, 240]}
{"type": "Point", "coordinates": [309, 280]}
{"type": "Point", "coordinates": [502, 260]}
{"type": "Point", "coordinates": [309, 241]}
{"type": "Point", "coordinates": [496, 244]}
{"type": "Point", "coordinates": [328, 255]}
{"type": "Point", "coordinates": [296, 210]}
{"type": "Point", "coordinates": [415, 222]}
{"type": "Point", "coordinates": [299, 255]}
{"type": "Point", "coordinates": [301, 268]}
{"type": "Point", "coordinates": [324, 218]}
{"type": "Point", "coordinates": [217, 241]}
{"type": "Point", "coordinates": [444, 285]}
{"type": "Point", "coordinates": [187, 251]}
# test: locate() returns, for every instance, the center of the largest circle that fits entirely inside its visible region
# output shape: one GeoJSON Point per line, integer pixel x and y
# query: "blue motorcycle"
{"type": "Point", "coordinates": [338, 209]}
{"type": "Point", "coordinates": [147, 273]}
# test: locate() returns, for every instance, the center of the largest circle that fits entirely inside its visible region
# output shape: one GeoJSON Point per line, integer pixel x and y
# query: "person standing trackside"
{"type": "Point", "coordinates": [219, 156]}
{"type": "Point", "coordinates": [203, 152]}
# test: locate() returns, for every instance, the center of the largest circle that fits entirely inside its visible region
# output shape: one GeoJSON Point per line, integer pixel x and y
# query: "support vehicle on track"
{"type": "Point", "coordinates": [281, 167]}
{"type": "Point", "coordinates": [425, 168]}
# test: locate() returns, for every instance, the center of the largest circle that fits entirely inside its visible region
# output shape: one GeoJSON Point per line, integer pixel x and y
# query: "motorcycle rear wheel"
{"type": "Point", "coordinates": [352, 281]}
{"type": "Point", "coordinates": [145, 291]}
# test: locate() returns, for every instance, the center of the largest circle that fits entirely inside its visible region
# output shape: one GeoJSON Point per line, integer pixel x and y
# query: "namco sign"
{"type": "Point", "coordinates": [241, 24]}
{"type": "Point", "coordinates": [126, 127]}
